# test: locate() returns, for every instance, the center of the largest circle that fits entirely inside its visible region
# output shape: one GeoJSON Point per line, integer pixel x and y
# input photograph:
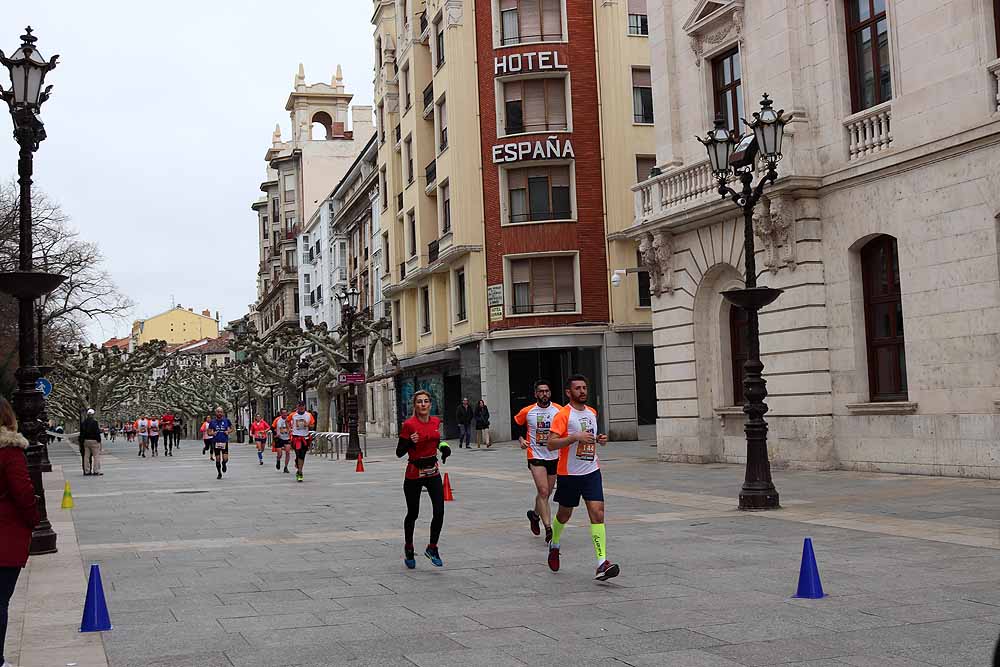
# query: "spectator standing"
{"type": "Point", "coordinates": [482, 424]}
{"type": "Point", "coordinates": [90, 444]}
{"type": "Point", "coordinates": [18, 511]}
{"type": "Point", "coordinates": [465, 415]}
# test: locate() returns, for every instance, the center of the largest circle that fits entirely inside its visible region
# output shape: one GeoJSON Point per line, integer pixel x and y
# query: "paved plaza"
{"type": "Point", "coordinates": [258, 570]}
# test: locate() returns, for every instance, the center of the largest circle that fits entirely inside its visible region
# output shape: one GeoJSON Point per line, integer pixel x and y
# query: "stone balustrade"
{"type": "Point", "coordinates": [674, 189]}
{"type": "Point", "coordinates": [869, 131]}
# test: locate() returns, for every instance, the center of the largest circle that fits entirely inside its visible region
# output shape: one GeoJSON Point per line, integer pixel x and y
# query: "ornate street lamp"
{"type": "Point", "coordinates": [27, 70]}
{"type": "Point", "coordinates": [348, 300]}
{"type": "Point", "coordinates": [736, 157]}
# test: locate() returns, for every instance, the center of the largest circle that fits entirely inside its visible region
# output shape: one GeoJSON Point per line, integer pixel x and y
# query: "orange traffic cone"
{"type": "Point", "coordinates": [447, 489]}
{"type": "Point", "coordinates": [361, 466]}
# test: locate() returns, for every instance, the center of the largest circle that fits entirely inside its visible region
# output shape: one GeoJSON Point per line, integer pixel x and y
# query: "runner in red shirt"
{"type": "Point", "coordinates": [167, 424]}
{"type": "Point", "coordinates": [420, 438]}
{"type": "Point", "coordinates": [259, 430]}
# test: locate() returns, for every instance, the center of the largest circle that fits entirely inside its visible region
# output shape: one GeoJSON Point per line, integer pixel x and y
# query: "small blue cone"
{"type": "Point", "coordinates": [95, 609]}
{"type": "Point", "coordinates": [810, 587]}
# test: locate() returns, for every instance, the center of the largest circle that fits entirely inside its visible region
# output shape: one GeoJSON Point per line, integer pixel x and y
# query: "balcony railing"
{"type": "Point", "coordinates": [432, 251]}
{"type": "Point", "coordinates": [869, 131]}
{"type": "Point", "coordinates": [672, 190]}
{"type": "Point", "coordinates": [431, 173]}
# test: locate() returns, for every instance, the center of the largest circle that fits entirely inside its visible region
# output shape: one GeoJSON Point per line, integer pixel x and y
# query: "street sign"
{"type": "Point", "coordinates": [494, 295]}
{"type": "Point", "coordinates": [43, 385]}
{"type": "Point", "coordinates": [351, 378]}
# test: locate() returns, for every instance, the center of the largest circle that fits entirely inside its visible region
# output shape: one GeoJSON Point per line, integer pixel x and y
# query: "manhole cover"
{"type": "Point", "coordinates": [190, 491]}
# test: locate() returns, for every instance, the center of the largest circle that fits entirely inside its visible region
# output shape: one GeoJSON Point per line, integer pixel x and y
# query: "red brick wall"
{"type": "Point", "coordinates": [587, 234]}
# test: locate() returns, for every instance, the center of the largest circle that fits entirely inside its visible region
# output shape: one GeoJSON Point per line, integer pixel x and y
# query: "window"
{"type": "Point", "coordinates": [638, 22]}
{"type": "Point", "coordinates": [396, 315]}
{"type": "Point", "coordinates": [381, 123]}
{"type": "Point", "coordinates": [411, 221]}
{"type": "Point", "coordinates": [539, 193]}
{"type": "Point", "coordinates": [263, 227]}
{"type": "Point", "coordinates": [442, 125]}
{"type": "Point", "coordinates": [383, 188]}
{"type": "Point", "coordinates": [405, 76]}
{"type": "Point", "coordinates": [460, 314]}
{"type": "Point", "coordinates": [738, 327]}
{"type": "Point", "coordinates": [996, 24]}
{"type": "Point", "coordinates": [439, 43]}
{"type": "Point", "coordinates": [645, 298]}
{"type": "Point", "coordinates": [530, 21]}
{"type": "Point", "coordinates": [535, 105]}
{"type": "Point", "coordinates": [445, 199]}
{"type": "Point", "coordinates": [408, 148]}
{"type": "Point", "coordinates": [290, 263]}
{"type": "Point", "coordinates": [425, 309]}
{"type": "Point", "coordinates": [868, 53]}
{"type": "Point", "coordinates": [289, 224]}
{"type": "Point", "coordinates": [378, 54]}
{"type": "Point", "coordinates": [884, 320]}
{"type": "Point", "coordinates": [543, 285]}
{"type": "Point", "coordinates": [642, 95]}
{"type": "Point", "coordinates": [305, 281]}
{"type": "Point", "coordinates": [728, 86]}
{"type": "Point", "coordinates": [643, 166]}
{"type": "Point", "coordinates": [289, 181]}
{"type": "Point", "coordinates": [275, 209]}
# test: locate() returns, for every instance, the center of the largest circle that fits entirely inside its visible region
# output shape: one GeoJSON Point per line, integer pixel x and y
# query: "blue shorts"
{"type": "Point", "coordinates": [569, 489]}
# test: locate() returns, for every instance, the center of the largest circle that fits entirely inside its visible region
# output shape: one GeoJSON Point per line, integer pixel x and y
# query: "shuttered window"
{"type": "Point", "coordinates": [530, 21]}
{"type": "Point", "coordinates": [539, 193]}
{"type": "Point", "coordinates": [535, 105]}
{"type": "Point", "coordinates": [638, 21]}
{"type": "Point", "coordinates": [543, 285]}
{"type": "Point", "coordinates": [642, 95]}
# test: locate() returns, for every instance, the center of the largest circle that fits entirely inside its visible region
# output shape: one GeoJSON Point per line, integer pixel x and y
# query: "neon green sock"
{"type": "Point", "coordinates": [599, 535]}
{"type": "Point", "coordinates": [557, 529]}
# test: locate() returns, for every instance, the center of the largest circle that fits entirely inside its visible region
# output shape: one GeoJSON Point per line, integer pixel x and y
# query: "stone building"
{"type": "Point", "coordinates": [883, 352]}
{"type": "Point", "coordinates": [175, 326]}
{"type": "Point", "coordinates": [510, 132]}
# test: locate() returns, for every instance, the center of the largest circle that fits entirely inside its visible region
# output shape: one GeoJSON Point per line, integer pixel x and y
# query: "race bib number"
{"type": "Point", "coordinates": [586, 452]}
{"type": "Point", "coordinates": [542, 431]}
{"type": "Point", "coordinates": [221, 445]}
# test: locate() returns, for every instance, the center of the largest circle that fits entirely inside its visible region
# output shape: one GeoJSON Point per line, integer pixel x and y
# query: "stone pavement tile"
{"type": "Point", "coordinates": [89, 655]}
{"type": "Point", "coordinates": [761, 629]}
{"type": "Point", "coordinates": [688, 658]}
{"type": "Point", "coordinates": [325, 635]}
{"type": "Point", "coordinates": [425, 642]}
{"type": "Point", "coordinates": [280, 595]}
{"type": "Point", "coordinates": [446, 624]}
{"type": "Point", "coordinates": [294, 606]}
{"type": "Point", "coordinates": [159, 647]}
{"type": "Point", "coordinates": [264, 624]}
{"type": "Point", "coordinates": [899, 639]}
{"type": "Point", "coordinates": [384, 661]}
{"type": "Point", "coordinates": [657, 642]}
{"type": "Point", "coordinates": [935, 611]}
{"type": "Point", "coordinates": [339, 589]}
{"type": "Point", "coordinates": [484, 657]}
{"type": "Point", "coordinates": [205, 612]}
{"type": "Point", "coordinates": [146, 617]}
{"type": "Point", "coordinates": [429, 597]}
{"type": "Point", "coordinates": [201, 659]}
{"type": "Point", "coordinates": [880, 661]}
{"type": "Point", "coordinates": [579, 651]}
{"type": "Point", "coordinates": [811, 663]}
{"type": "Point", "coordinates": [499, 638]}
{"type": "Point", "coordinates": [954, 654]}
{"type": "Point", "coordinates": [757, 653]}
{"type": "Point", "coordinates": [328, 653]}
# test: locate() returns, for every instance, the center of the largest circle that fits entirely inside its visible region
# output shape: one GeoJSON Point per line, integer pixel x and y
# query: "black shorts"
{"type": "Point", "coordinates": [550, 466]}
{"type": "Point", "coordinates": [221, 447]}
{"type": "Point", "coordinates": [570, 488]}
{"type": "Point", "coordinates": [300, 453]}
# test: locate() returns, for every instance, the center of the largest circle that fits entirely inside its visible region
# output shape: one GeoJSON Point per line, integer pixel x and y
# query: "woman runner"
{"type": "Point", "coordinates": [420, 438]}
{"type": "Point", "coordinates": [259, 429]}
{"type": "Point", "coordinates": [206, 439]}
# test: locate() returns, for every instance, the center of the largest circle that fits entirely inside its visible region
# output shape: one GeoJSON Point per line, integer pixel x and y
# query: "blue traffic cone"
{"type": "Point", "coordinates": [95, 609]}
{"type": "Point", "coordinates": [810, 587]}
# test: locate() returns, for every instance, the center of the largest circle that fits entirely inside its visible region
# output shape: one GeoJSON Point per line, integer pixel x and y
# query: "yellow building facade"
{"type": "Point", "coordinates": [175, 326]}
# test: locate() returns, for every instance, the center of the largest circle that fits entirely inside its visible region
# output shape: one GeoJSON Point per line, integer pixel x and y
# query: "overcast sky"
{"type": "Point", "coordinates": [158, 123]}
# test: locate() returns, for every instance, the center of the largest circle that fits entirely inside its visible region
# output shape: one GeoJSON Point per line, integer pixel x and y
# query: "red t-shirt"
{"type": "Point", "coordinates": [168, 422]}
{"type": "Point", "coordinates": [425, 447]}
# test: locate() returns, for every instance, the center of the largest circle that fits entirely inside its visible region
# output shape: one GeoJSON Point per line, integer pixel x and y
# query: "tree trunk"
{"type": "Point", "coordinates": [323, 411]}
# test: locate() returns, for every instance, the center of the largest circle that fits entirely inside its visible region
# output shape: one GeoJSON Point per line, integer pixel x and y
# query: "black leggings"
{"type": "Point", "coordinates": [8, 579]}
{"type": "Point", "coordinates": [435, 489]}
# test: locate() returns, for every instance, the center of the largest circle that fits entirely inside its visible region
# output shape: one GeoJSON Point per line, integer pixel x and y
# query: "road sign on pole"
{"type": "Point", "coordinates": [351, 378]}
{"type": "Point", "coordinates": [44, 385]}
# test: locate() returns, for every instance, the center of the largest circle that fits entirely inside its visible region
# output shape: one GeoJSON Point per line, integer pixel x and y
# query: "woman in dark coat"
{"type": "Point", "coordinates": [18, 512]}
{"type": "Point", "coordinates": [482, 424]}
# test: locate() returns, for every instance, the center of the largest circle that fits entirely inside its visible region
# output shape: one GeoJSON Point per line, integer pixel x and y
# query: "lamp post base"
{"type": "Point", "coordinates": [759, 497]}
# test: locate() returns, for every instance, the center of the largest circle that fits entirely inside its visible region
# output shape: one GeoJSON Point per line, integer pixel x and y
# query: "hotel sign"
{"type": "Point", "coordinates": [523, 63]}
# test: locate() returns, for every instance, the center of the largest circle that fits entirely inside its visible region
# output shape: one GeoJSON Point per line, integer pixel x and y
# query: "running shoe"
{"type": "Point", "coordinates": [409, 559]}
{"type": "Point", "coordinates": [286, 468]}
{"type": "Point", "coordinates": [224, 466]}
{"type": "Point", "coordinates": [533, 518]}
{"type": "Point", "coordinates": [277, 466]}
{"type": "Point", "coordinates": [554, 558]}
{"type": "Point", "coordinates": [432, 553]}
{"type": "Point", "coordinates": [220, 476]}
{"type": "Point", "coordinates": [607, 570]}
{"type": "Point", "coordinates": [262, 461]}
{"type": "Point", "coordinates": [548, 534]}
{"type": "Point", "coordinates": [298, 477]}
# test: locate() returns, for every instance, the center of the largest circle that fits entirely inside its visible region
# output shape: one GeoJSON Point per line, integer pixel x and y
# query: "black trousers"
{"type": "Point", "coordinates": [435, 489]}
{"type": "Point", "coordinates": [8, 579]}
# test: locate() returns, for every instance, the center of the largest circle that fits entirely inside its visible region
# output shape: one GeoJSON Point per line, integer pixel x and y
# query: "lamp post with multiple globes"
{"type": "Point", "coordinates": [27, 70]}
{"type": "Point", "coordinates": [348, 300]}
{"type": "Point", "coordinates": [731, 158]}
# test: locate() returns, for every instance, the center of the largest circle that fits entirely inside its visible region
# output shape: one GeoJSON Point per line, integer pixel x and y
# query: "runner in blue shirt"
{"type": "Point", "coordinates": [220, 428]}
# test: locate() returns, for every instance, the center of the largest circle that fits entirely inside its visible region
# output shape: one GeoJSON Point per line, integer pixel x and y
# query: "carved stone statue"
{"type": "Point", "coordinates": [648, 255]}
{"type": "Point", "coordinates": [663, 247]}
